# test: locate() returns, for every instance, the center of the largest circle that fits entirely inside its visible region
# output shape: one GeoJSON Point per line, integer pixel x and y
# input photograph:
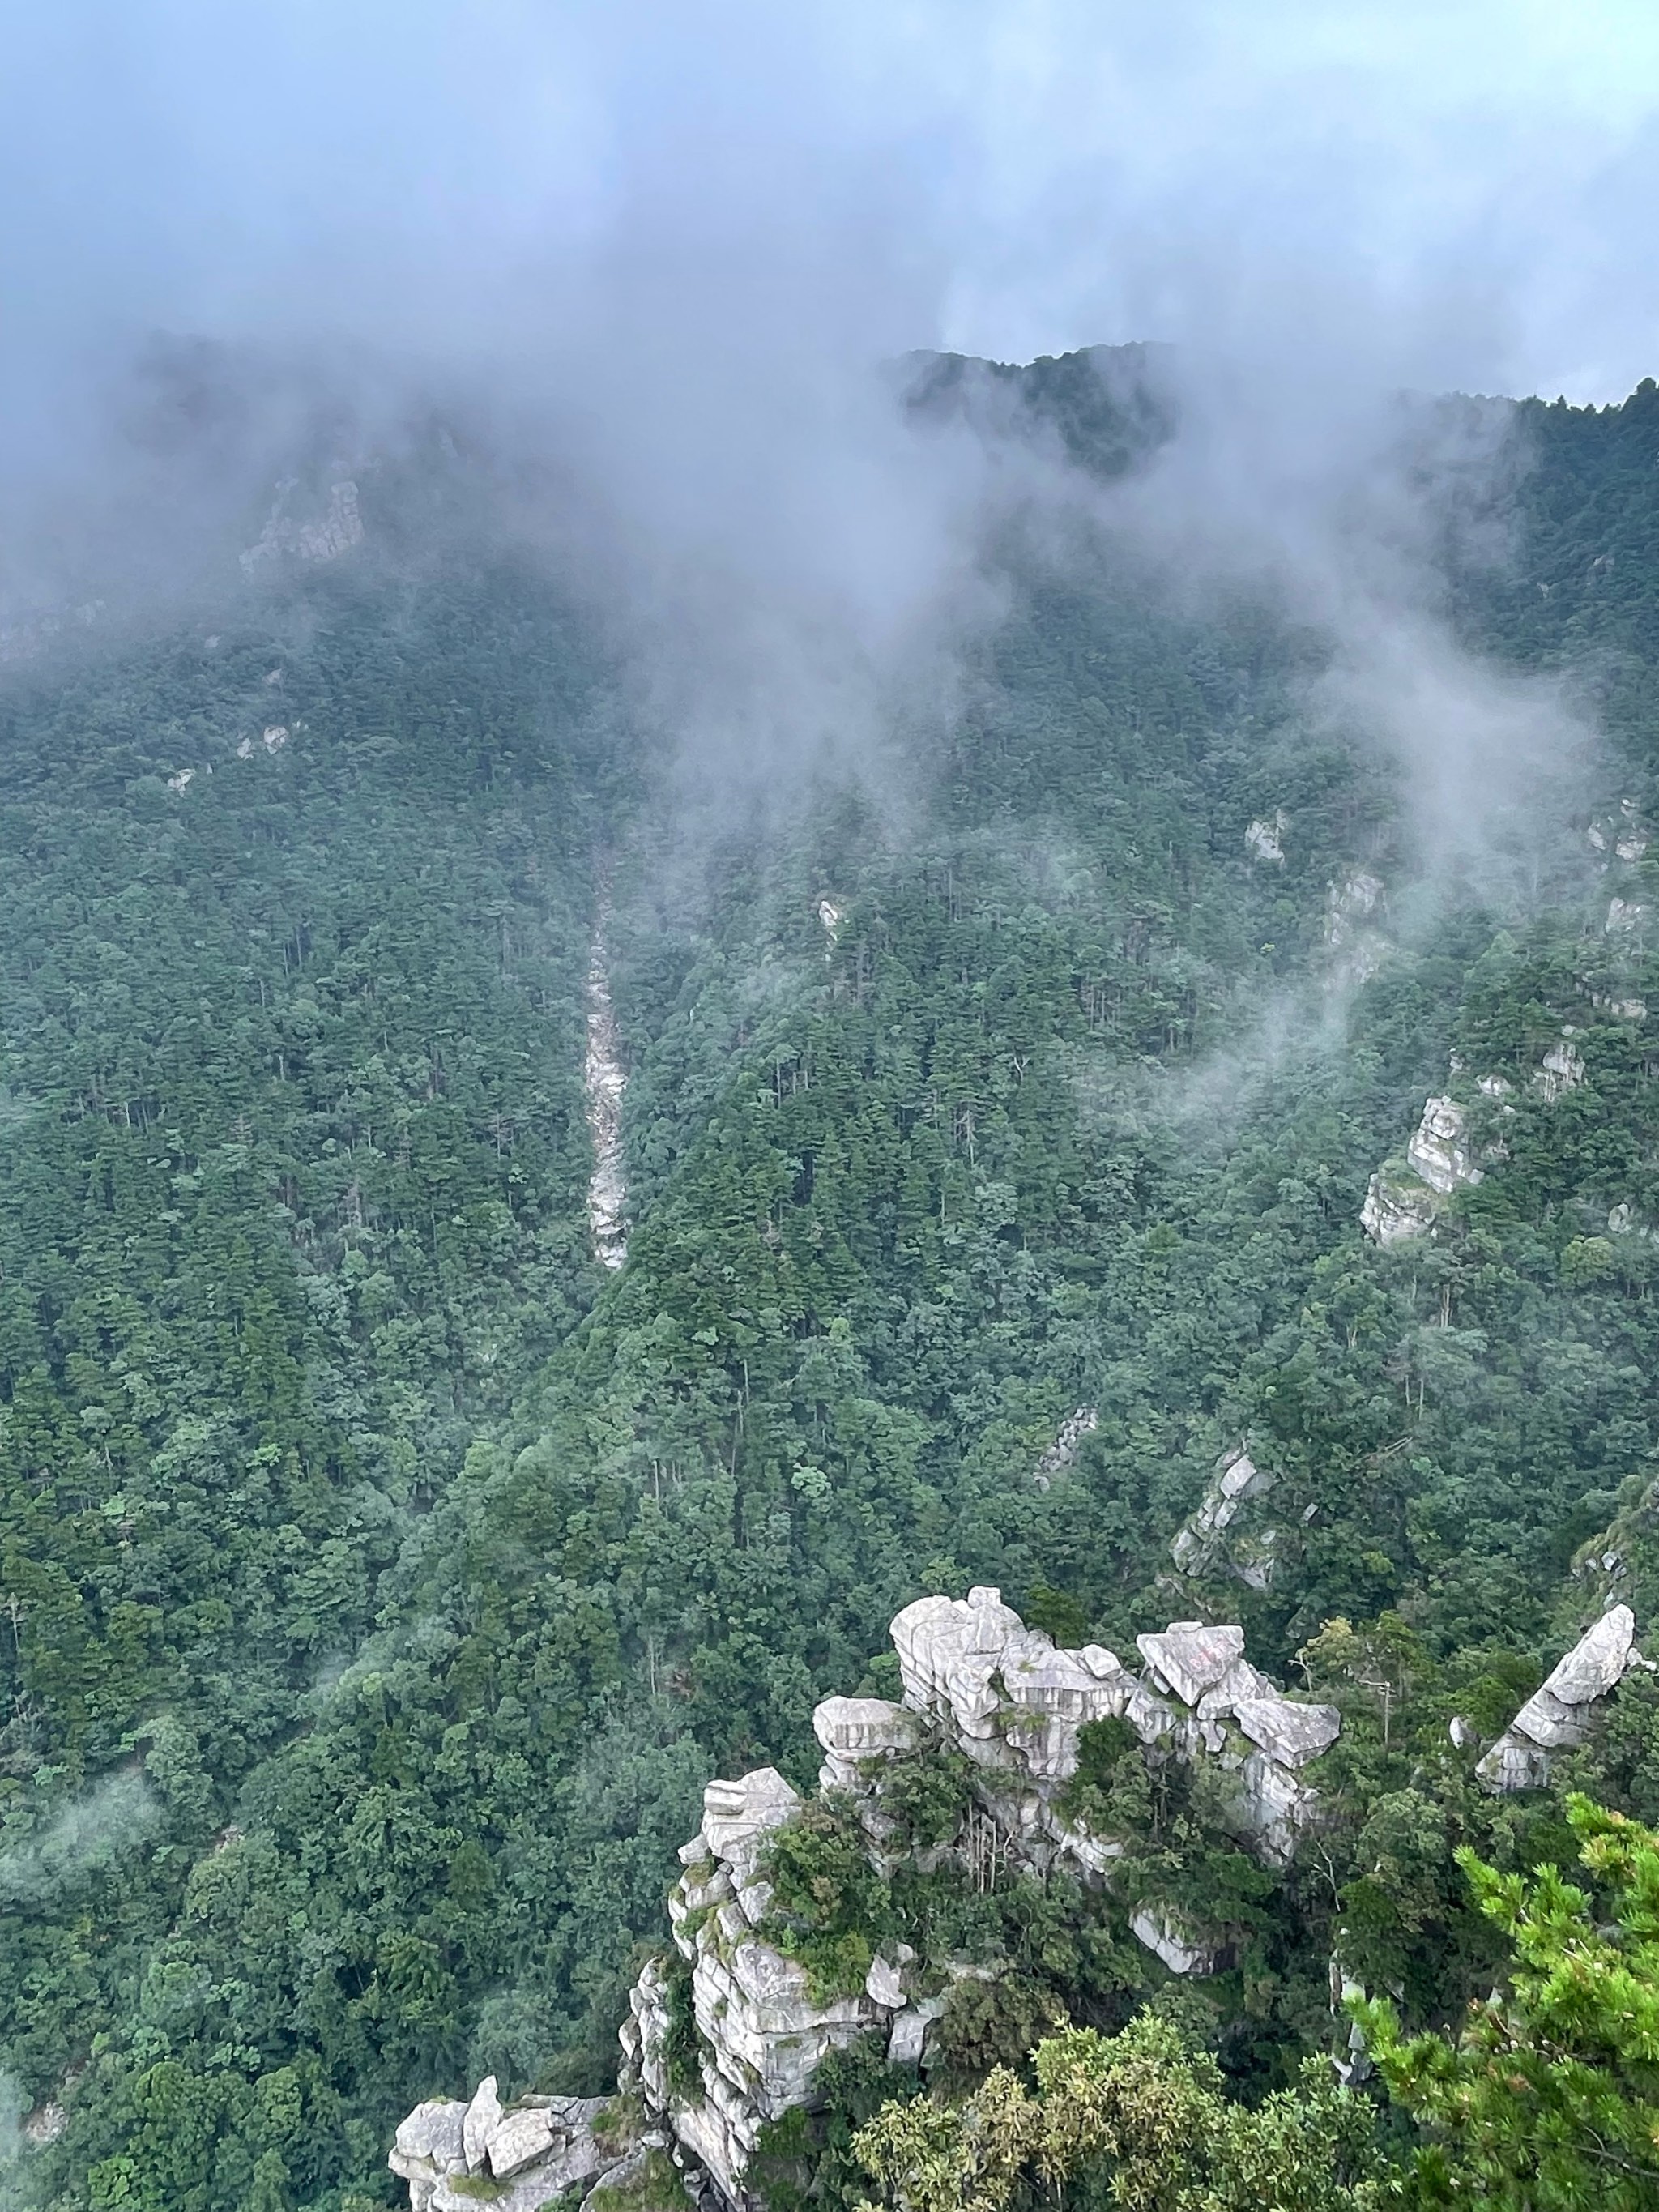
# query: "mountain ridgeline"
{"type": "Point", "coordinates": [383, 1573]}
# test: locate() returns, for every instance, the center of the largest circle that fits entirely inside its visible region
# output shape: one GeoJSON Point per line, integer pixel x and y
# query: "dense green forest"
{"type": "Point", "coordinates": [381, 1578]}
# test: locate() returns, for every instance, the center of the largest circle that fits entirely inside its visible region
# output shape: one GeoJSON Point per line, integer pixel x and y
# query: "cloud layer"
{"type": "Point", "coordinates": [668, 243]}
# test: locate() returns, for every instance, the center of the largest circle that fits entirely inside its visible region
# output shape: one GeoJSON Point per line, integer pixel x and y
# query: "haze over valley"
{"type": "Point", "coordinates": [829, 978]}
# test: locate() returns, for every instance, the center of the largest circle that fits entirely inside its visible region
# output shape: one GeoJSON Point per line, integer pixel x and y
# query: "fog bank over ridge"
{"type": "Point", "coordinates": [655, 255]}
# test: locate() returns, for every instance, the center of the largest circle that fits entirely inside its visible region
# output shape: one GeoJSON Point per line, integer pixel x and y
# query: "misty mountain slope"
{"type": "Point", "coordinates": [391, 1579]}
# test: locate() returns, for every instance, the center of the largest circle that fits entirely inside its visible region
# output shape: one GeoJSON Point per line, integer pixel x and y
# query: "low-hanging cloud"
{"type": "Point", "coordinates": [664, 249]}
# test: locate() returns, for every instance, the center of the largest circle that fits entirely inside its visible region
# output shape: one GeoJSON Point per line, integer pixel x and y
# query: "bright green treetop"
{"type": "Point", "coordinates": [1549, 2098]}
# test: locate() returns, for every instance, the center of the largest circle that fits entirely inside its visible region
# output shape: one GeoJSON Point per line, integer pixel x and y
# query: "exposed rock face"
{"type": "Point", "coordinates": [1356, 948]}
{"type": "Point", "coordinates": [1264, 840]}
{"type": "Point", "coordinates": [855, 1730]}
{"type": "Point", "coordinates": [45, 2124]}
{"type": "Point", "coordinates": [605, 1081]}
{"type": "Point", "coordinates": [1624, 832]}
{"type": "Point", "coordinates": [976, 1681]}
{"type": "Point", "coordinates": [1438, 1150]}
{"type": "Point", "coordinates": [1397, 1206]}
{"type": "Point", "coordinates": [455, 2156]}
{"type": "Point", "coordinates": [1561, 1713]}
{"type": "Point", "coordinates": [1349, 904]}
{"type": "Point", "coordinates": [1213, 1539]}
{"type": "Point", "coordinates": [1064, 1449]}
{"type": "Point", "coordinates": [1182, 1951]}
{"type": "Point", "coordinates": [761, 2038]}
{"type": "Point", "coordinates": [1003, 1693]}
{"type": "Point", "coordinates": [1404, 1198]}
{"type": "Point", "coordinates": [1562, 1070]}
{"type": "Point", "coordinates": [322, 537]}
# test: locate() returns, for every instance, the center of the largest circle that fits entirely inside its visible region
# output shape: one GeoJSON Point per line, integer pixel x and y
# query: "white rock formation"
{"type": "Point", "coordinates": [1064, 1449]}
{"type": "Point", "coordinates": [1624, 916]}
{"type": "Point", "coordinates": [761, 2038]}
{"type": "Point", "coordinates": [1405, 1199]}
{"type": "Point", "coordinates": [479, 2123]}
{"type": "Point", "coordinates": [1004, 1695]}
{"type": "Point", "coordinates": [45, 2124]}
{"type": "Point", "coordinates": [324, 537]}
{"type": "Point", "coordinates": [455, 2156]}
{"type": "Point", "coordinates": [605, 1080]}
{"type": "Point", "coordinates": [1563, 1070]}
{"type": "Point", "coordinates": [977, 1681]}
{"type": "Point", "coordinates": [855, 1732]}
{"type": "Point", "coordinates": [1204, 1543]}
{"type": "Point", "coordinates": [1397, 1206]}
{"type": "Point", "coordinates": [1182, 1949]}
{"type": "Point", "coordinates": [1350, 903]}
{"type": "Point", "coordinates": [1561, 1713]}
{"type": "Point", "coordinates": [1264, 840]}
{"type": "Point", "coordinates": [1438, 1150]}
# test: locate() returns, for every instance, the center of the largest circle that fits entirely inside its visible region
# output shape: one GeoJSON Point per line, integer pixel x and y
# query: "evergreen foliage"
{"type": "Point", "coordinates": [380, 1579]}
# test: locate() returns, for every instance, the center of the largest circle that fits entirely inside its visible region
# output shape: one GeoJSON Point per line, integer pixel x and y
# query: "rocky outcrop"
{"type": "Point", "coordinates": [1398, 1207]}
{"type": "Point", "coordinates": [761, 2036]}
{"type": "Point", "coordinates": [1622, 836]}
{"type": "Point", "coordinates": [1264, 840]}
{"type": "Point", "coordinates": [1213, 1539]}
{"type": "Point", "coordinates": [1013, 1702]}
{"type": "Point", "coordinates": [1066, 1446]}
{"type": "Point", "coordinates": [1438, 1150]}
{"type": "Point", "coordinates": [1562, 1712]}
{"type": "Point", "coordinates": [1183, 1950]}
{"type": "Point", "coordinates": [978, 1682]}
{"type": "Point", "coordinates": [1406, 1198]}
{"type": "Point", "coordinates": [1348, 905]}
{"type": "Point", "coordinates": [727, 2032]}
{"type": "Point", "coordinates": [517, 2159]}
{"type": "Point", "coordinates": [323, 536]}
{"type": "Point", "coordinates": [1563, 1069]}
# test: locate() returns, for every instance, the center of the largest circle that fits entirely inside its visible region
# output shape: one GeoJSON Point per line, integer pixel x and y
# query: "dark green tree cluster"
{"type": "Point", "coordinates": [380, 1579]}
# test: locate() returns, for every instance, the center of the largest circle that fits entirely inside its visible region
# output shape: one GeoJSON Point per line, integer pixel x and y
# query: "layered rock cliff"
{"type": "Point", "coordinates": [727, 2032]}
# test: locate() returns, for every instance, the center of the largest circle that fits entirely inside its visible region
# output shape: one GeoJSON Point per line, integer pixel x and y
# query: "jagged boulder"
{"type": "Point", "coordinates": [1405, 1199]}
{"type": "Point", "coordinates": [1204, 1543]}
{"type": "Point", "coordinates": [761, 2036]}
{"type": "Point", "coordinates": [1439, 1151]}
{"type": "Point", "coordinates": [979, 1683]}
{"type": "Point", "coordinates": [1561, 1713]}
{"type": "Point", "coordinates": [520, 2159]}
{"type": "Point", "coordinates": [1014, 1703]}
{"type": "Point", "coordinates": [854, 1731]}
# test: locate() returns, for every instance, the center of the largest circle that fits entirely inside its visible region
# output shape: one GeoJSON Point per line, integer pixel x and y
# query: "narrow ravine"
{"type": "Point", "coordinates": [605, 1081]}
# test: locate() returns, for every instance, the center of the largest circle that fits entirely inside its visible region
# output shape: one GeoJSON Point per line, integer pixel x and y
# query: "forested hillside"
{"type": "Point", "coordinates": [381, 1578]}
